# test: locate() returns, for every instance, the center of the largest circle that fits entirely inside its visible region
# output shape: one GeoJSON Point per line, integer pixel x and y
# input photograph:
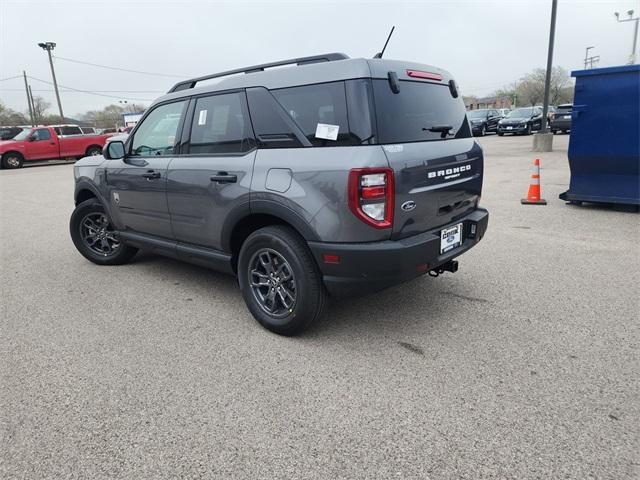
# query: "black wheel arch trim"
{"type": "Point", "coordinates": [285, 213]}
{"type": "Point", "coordinates": [86, 185]}
{"type": "Point", "coordinates": [266, 207]}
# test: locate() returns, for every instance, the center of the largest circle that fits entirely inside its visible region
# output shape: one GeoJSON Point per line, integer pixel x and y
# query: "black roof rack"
{"type": "Point", "coordinates": [326, 57]}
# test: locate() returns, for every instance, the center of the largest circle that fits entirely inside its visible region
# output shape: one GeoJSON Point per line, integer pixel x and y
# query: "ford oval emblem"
{"type": "Point", "coordinates": [408, 206]}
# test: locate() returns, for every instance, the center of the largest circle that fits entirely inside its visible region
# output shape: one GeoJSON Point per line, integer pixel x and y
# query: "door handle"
{"type": "Point", "coordinates": [150, 175]}
{"type": "Point", "coordinates": [224, 177]}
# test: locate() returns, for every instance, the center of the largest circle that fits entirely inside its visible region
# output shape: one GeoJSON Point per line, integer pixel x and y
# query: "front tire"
{"type": "Point", "coordinates": [280, 281]}
{"type": "Point", "coordinates": [94, 237]}
{"type": "Point", "coordinates": [500, 134]}
{"type": "Point", "coordinates": [12, 160]}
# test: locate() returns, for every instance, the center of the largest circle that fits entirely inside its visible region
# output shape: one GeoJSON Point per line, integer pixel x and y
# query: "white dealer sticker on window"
{"type": "Point", "coordinates": [202, 117]}
{"type": "Point", "coordinates": [326, 131]}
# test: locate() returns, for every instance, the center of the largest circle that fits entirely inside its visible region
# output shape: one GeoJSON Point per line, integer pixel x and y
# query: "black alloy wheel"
{"type": "Point", "coordinates": [272, 282]}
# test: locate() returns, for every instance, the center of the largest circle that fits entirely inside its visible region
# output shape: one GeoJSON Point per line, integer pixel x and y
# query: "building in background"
{"type": "Point", "coordinates": [131, 119]}
{"type": "Point", "coordinates": [473, 103]}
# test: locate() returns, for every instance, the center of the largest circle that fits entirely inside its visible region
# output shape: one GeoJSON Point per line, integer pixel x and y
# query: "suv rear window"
{"type": "Point", "coordinates": [407, 116]}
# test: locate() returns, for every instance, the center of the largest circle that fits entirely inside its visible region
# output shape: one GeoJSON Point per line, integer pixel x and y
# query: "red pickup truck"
{"type": "Point", "coordinates": [43, 143]}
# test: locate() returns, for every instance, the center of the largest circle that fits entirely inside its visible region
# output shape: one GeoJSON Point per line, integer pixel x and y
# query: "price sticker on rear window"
{"type": "Point", "coordinates": [202, 117]}
{"type": "Point", "coordinates": [327, 131]}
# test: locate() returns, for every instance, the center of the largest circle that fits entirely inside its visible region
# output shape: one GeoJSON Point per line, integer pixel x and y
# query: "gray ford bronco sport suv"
{"type": "Point", "coordinates": [332, 177]}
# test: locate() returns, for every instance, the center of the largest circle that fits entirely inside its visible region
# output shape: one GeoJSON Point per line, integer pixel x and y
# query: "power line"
{"type": "Point", "coordinates": [156, 74]}
{"type": "Point", "coordinates": [92, 92]}
{"type": "Point", "coordinates": [10, 78]}
{"type": "Point", "coordinates": [72, 91]}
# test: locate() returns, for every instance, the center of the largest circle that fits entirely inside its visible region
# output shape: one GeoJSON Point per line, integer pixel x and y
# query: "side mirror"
{"type": "Point", "coordinates": [31, 138]}
{"type": "Point", "coordinates": [114, 151]}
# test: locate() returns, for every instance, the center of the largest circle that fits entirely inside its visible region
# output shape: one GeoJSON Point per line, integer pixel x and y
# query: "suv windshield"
{"type": "Point", "coordinates": [420, 112]}
{"type": "Point", "coordinates": [477, 113]}
{"type": "Point", "coordinates": [520, 113]}
{"type": "Point", "coordinates": [23, 134]}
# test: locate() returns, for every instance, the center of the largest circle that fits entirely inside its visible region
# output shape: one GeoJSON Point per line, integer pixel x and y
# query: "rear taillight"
{"type": "Point", "coordinates": [371, 196]}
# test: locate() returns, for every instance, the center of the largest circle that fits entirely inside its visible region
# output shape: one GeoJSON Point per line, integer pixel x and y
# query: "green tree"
{"type": "Point", "coordinates": [111, 115]}
{"type": "Point", "coordinates": [11, 117]}
{"type": "Point", "coordinates": [40, 107]}
{"type": "Point", "coordinates": [530, 88]}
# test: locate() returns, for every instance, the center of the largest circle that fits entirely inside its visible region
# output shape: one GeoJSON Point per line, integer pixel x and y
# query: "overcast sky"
{"type": "Point", "coordinates": [484, 44]}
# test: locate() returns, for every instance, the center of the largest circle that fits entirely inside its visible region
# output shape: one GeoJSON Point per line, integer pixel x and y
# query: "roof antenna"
{"type": "Point", "coordinates": [379, 54]}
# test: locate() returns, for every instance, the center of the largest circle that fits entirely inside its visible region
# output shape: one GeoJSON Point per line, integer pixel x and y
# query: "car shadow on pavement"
{"type": "Point", "coordinates": [187, 275]}
{"type": "Point", "coordinates": [416, 304]}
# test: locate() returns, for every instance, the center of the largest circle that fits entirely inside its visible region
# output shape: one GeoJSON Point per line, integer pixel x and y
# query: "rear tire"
{"type": "Point", "coordinates": [280, 281]}
{"type": "Point", "coordinates": [12, 160]}
{"type": "Point", "coordinates": [500, 134]}
{"type": "Point", "coordinates": [93, 151]}
{"type": "Point", "coordinates": [93, 235]}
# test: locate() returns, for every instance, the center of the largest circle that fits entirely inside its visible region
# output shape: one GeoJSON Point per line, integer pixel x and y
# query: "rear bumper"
{"type": "Point", "coordinates": [561, 124]}
{"type": "Point", "coordinates": [367, 267]}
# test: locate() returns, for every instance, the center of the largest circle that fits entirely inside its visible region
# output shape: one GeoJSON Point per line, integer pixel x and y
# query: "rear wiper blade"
{"type": "Point", "coordinates": [443, 129]}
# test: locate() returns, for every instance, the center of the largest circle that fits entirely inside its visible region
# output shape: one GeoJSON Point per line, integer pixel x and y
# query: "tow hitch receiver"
{"type": "Point", "coordinates": [450, 266]}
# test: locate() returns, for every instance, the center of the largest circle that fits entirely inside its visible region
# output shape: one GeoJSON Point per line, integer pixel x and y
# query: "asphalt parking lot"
{"type": "Point", "coordinates": [524, 364]}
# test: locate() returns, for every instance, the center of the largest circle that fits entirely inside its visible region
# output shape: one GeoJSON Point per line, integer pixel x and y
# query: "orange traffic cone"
{"type": "Point", "coordinates": [534, 195]}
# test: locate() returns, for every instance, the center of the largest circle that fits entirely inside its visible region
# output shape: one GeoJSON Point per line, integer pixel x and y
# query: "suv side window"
{"type": "Point", "coordinates": [272, 125]}
{"type": "Point", "coordinates": [41, 134]}
{"type": "Point", "coordinates": [71, 130]}
{"type": "Point", "coordinates": [158, 132]}
{"type": "Point", "coordinates": [312, 105]}
{"type": "Point", "coordinates": [221, 125]}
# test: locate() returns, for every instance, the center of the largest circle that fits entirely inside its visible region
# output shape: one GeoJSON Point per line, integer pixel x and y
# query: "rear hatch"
{"type": "Point", "coordinates": [563, 112]}
{"type": "Point", "coordinates": [436, 162]}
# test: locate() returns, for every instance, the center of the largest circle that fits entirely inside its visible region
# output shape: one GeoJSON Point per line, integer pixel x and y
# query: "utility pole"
{"type": "Point", "coordinates": [590, 61]}
{"type": "Point", "coordinates": [49, 46]}
{"type": "Point", "coordinates": [26, 88]}
{"type": "Point", "coordinates": [586, 57]}
{"type": "Point", "coordinates": [632, 57]}
{"type": "Point", "coordinates": [547, 81]}
{"type": "Point", "coordinates": [33, 104]}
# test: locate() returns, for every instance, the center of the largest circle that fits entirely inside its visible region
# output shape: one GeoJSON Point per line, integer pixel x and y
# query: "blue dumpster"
{"type": "Point", "coordinates": [604, 148]}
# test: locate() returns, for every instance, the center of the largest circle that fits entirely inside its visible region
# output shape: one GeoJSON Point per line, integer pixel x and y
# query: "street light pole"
{"type": "Point", "coordinates": [49, 46]}
{"type": "Point", "coordinates": [547, 81]}
{"type": "Point", "coordinates": [632, 57]}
